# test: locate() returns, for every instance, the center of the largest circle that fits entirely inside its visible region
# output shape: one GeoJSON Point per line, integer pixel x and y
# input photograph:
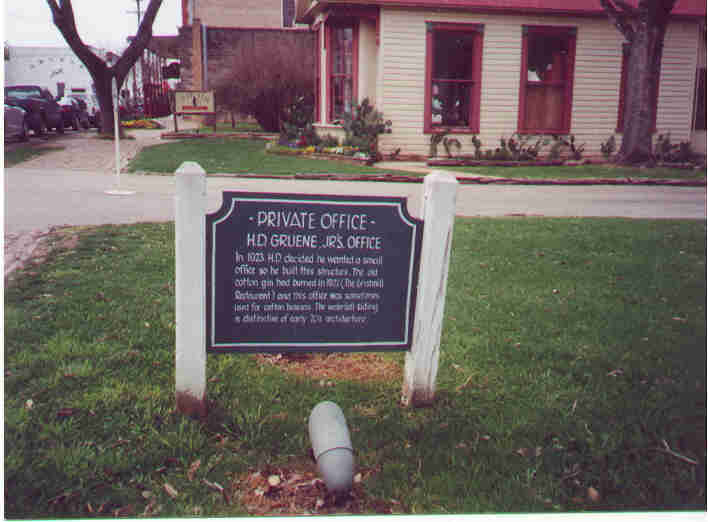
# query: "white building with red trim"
{"type": "Point", "coordinates": [492, 68]}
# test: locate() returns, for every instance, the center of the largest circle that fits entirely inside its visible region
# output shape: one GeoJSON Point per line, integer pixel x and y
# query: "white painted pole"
{"type": "Point", "coordinates": [190, 289]}
{"type": "Point", "coordinates": [116, 139]}
{"type": "Point", "coordinates": [421, 367]}
{"type": "Point", "coordinates": [116, 128]}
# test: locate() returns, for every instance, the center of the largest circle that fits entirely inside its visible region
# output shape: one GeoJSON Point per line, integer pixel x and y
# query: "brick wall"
{"type": "Point", "coordinates": [241, 13]}
{"type": "Point", "coordinates": [225, 43]}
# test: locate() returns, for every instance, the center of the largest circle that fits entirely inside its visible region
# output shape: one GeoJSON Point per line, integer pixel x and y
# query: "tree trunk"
{"type": "Point", "coordinates": [644, 28]}
{"type": "Point", "coordinates": [104, 93]}
{"type": "Point", "coordinates": [102, 74]}
{"type": "Point", "coordinates": [643, 70]}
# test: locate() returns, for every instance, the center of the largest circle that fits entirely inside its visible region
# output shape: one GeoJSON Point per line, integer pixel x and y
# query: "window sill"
{"type": "Point", "coordinates": [543, 131]}
{"type": "Point", "coordinates": [450, 130]}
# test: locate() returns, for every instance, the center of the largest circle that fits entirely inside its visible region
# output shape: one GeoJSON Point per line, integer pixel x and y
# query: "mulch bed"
{"type": "Point", "coordinates": [329, 367]}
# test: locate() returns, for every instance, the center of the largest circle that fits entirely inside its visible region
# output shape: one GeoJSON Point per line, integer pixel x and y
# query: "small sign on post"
{"type": "Point", "coordinates": [195, 103]}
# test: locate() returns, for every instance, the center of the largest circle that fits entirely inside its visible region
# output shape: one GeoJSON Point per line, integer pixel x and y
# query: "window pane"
{"type": "Point", "coordinates": [343, 50]}
{"type": "Point", "coordinates": [342, 95]}
{"type": "Point", "coordinates": [547, 58]}
{"type": "Point", "coordinates": [453, 55]}
{"type": "Point", "coordinates": [545, 107]}
{"type": "Point", "coordinates": [450, 103]}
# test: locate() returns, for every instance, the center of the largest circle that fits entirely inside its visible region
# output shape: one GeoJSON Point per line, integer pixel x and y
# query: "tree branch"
{"type": "Point", "coordinates": [627, 9]}
{"type": "Point", "coordinates": [139, 43]}
{"type": "Point", "coordinates": [64, 20]}
{"type": "Point", "coordinates": [621, 20]}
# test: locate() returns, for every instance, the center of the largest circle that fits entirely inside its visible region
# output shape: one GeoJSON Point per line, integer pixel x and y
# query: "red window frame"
{"type": "Point", "coordinates": [331, 27]}
{"type": "Point", "coordinates": [570, 33]}
{"type": "Point", "coordinates": [623, 89]}
{"type": "Point", "coordinates": [318, 74]}
{"type": "Point", "coordinates": [477, 30]}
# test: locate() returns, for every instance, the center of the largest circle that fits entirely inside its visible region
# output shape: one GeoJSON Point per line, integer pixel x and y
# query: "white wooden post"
{"type": "Point", "coordinates": [190, 289]}
{"type": "Point", "coordinates": [421, 367]}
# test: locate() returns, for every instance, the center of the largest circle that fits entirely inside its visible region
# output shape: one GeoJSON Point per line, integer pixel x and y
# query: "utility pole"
{"type": "Point", "coordinates": [135, 72]}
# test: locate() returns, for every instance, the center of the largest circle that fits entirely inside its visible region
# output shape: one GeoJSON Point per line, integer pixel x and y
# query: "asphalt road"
{"type": "Point", "coordinates": [40, 198]}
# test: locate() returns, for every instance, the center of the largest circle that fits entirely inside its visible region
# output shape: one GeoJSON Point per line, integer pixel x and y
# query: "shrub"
{"type": "Point", "coordinates": [477, 144]}
{"type": "Point", "coordinates": [435, 140]}
{"type": "Point", "coordinates": [520, 150]}
{"type": "Point", "coordinates": [269, 74]}
{"type": "Point", "coordinates": [608, 147]}
{"type": "Point", "coordinates": [362, 127]}
{"type": "Point", "coordinates": [448, 143]}
{"type": "Point", "coordinates": [667, 152]}
{"type": "Point", "coordinates": [576, 151]}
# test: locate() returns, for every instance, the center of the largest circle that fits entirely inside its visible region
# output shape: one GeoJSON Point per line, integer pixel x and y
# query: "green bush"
{"type": "Point", "coordinates": [608, 147]}
{"type": "Point", "coordinates": [362, 128]}
{"type": "Point", "coordinates": [667, 152]}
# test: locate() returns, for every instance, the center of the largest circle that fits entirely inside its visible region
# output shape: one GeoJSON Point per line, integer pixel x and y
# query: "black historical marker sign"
{"type": "Point", "coordinates": [293, 272]}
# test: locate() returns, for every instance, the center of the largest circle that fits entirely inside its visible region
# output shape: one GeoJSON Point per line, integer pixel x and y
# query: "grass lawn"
{"type": "Point", "coordinates": [227, 155]}
{"type": "Point", "coordinates": [581, 171]}
{"type": "Point", "coordinates": [25, 152]}
{"type": "Point", "coordinates": [226, 128]}
{"type": "Point", "coordinates": [572, 377]}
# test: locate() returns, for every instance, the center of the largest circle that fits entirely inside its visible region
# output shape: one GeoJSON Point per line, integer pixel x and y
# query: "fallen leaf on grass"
{"type": "Point", "coordinates": [66, 412]}
{"type": "Point", "coordinates": [529, 452]}
{"type": "Point", "coordinates": [593, 494]}
{"type": "Point", "coordinates": [193, 469]}
{"type": "Point", "coordinates": [170, 490]}
{"type": "Point", "coordinates": [464, 384]}
{"type": "Point", "coordinates": [125, 511]}
{"type": "Point", "coordinates": [217, 487]}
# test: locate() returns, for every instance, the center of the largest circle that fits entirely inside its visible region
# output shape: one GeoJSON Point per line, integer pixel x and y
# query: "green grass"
{"type": "Point", "coordinates": [226, 128]}
{"type": "Point", "coordinates": [26, 152]}
{"type": "Point", "coordinates": [232, 156]}
{"type": "Point", "coordinates": [581, 171]}
{"type": "Point", "coordinates": [571, 349]}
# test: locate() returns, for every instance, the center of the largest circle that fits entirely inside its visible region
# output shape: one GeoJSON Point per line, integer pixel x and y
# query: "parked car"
{"type": "Point", "coordinates": [74, 112]}
{"type": "Point", "coordinates": [92, 107]}
{"type": "Point", "coordinates": [43, 111]}
{"type": "Point", "coordinates": [16, 123]}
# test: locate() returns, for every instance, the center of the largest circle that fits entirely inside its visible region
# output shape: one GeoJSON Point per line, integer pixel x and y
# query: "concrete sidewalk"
{"type": "Point", "coordinates": [41, 198]}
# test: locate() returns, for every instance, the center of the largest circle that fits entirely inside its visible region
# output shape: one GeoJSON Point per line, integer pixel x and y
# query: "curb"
{"type": "Point", "coordinates": [478, 180]}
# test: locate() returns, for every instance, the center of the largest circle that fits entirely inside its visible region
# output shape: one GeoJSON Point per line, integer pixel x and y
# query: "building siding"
{"type": "Point", "coordinates": [401, 79]}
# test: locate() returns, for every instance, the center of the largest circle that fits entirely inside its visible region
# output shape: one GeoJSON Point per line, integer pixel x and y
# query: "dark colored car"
{"type": "Point", "coordinates": [43, 111]}
{"type": "Point", "coordinates": [74, 112]}
{"type": "Point", "coordinates": [92, 107]}
{"type": "Point", "coordinates": [16, 124]}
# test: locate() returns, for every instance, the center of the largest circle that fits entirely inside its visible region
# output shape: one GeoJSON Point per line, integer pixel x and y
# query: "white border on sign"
{"type": "Point", "coordinates": [404, 218]}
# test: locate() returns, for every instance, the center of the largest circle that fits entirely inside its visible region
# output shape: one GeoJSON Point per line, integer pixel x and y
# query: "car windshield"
{"type": "Point", "coordinates": [23, 92]}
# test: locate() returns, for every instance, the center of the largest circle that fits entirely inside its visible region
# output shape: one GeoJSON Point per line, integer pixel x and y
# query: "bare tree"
{"type": "Point", "coordinates": [271, 73]}
{"type": "Point", "coordinates": [644, 28]}
{"type": "Point", "coordinates": [101, 72]}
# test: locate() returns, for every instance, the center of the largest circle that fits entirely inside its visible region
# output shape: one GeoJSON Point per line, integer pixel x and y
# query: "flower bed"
{"type": "Point", "coordinates": [351, 154]}
{"type": "Point", "coordinates": [462, 162]}
{"type": "Point", "coordinates": [141, 124]}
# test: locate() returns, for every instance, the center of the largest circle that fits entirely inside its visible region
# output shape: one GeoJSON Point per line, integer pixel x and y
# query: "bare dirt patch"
{"type": "Point", "coordinates": [22, 250]}
{"type": "Point", "coordinates": [357, 367]}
